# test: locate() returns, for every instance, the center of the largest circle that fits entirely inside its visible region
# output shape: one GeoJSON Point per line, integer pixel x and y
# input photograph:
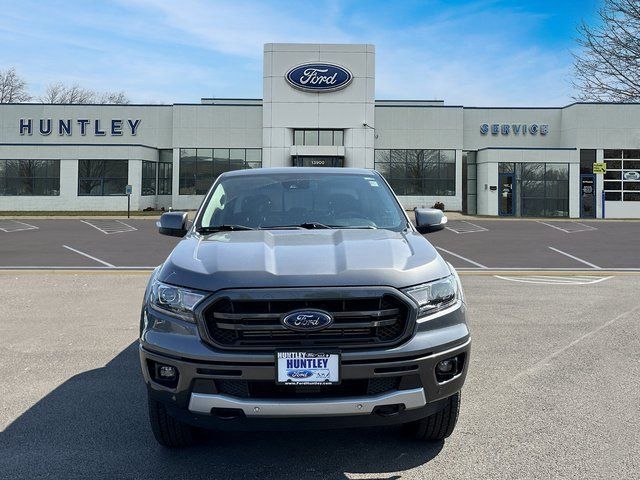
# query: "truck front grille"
{"type": "Point", "coordinates": [255, 324]}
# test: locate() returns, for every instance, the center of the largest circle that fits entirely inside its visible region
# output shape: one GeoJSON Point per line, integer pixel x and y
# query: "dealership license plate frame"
{"type": "Point", "coordinates": [336, 353]}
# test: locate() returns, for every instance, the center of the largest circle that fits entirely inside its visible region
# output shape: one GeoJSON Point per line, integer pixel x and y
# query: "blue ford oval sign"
{"type": "Point", "coordinates": [319, 77]}
{"type": "Point", "coordinates": [307, 320]}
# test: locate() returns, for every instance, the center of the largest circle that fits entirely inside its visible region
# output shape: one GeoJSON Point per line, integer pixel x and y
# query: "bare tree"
{"type": "Point", "coordinates": [13, 89]}
{"type": "Point", "coordinates": [75, 94]}
{"type": "Point", "coordinates": [114, 97]}
{"type": "Point", "coordinates": [608, 66]}
{"type": "Point", "coordinates": [61, 93]}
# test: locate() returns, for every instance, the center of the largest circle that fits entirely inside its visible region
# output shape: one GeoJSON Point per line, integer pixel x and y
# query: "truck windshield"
{"type": "Point", "coordinates": [301, 200]}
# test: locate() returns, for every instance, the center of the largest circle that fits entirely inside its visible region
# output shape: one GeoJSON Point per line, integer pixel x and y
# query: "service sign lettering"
{"type": "Point", "coordinates": [514, 129]}
{"type": "Point", "coordinates": [66, 127]}
{"type": "Point", "coordinates": [319, 77]}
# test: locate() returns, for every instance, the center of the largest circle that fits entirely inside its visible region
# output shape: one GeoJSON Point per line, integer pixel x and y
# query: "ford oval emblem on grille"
{"type": "Point", "coordinates": [307, 320]}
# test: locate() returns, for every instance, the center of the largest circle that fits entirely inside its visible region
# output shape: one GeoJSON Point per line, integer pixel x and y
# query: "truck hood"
{"type": "Point", "coordinates": [302, 258]}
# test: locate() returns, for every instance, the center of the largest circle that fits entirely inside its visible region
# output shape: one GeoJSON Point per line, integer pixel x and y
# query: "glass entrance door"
{"type": "Point", "coordinates": [506, 194]}
{"type": "Point", "coordinates": [587, 196]}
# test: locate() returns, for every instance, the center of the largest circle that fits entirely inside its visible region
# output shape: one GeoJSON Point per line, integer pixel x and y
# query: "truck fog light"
{"type": "Point", "coordinates": [163, 374]}
{"type": "Point", "coordinates": [450, 367]}
{"type": "Point", "coordinates": [167, 372]}
{"type": "Point", "coordinates": [447, 366]}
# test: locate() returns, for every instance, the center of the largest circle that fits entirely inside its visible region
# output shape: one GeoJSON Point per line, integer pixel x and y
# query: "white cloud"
{"type": "Point", "coordinates": [242, 27]}
{"type": "Point", "coordinates": [181, 50]}
{"type": "Point", "coordinates": [464, 54]}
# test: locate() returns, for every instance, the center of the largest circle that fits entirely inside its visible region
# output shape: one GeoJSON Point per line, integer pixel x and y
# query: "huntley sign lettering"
{"type": "Point", "coordinates": [67, 127]}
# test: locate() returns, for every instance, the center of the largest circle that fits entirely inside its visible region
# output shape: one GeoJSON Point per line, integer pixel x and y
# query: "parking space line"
{"type": "Point", "coordinates": [586, 228]}
{"type": "Point", "coordinates": [475, 228]}
{"type": "Point", "coordinates": [528, 270]}
{"type": "Point", "coordinates": [576, 258]}
{"type": "Point", "coordinates": [109, 227]}
{"type": "Point", "coordinates": [571, 344]}
{"type": "Point", "coordinates": [63, 268]}
{"type": "Point", "coordinates": [7, 226]}
{"type": "Point", "coordinates": [462, 258]}
{"type": "Point", "coordinates": [555, 280]}
{"type": "Point", "coordinates": [89, 256]}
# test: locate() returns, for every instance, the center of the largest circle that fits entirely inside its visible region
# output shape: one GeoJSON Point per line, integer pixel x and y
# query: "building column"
{"type": "Point", "coordinates": [175, 180]}
{"type": "Point", "coordinates": [574, 188]}
{"type": "Point", "coordinates": [459, 187]}
{"type": "Point", "coordinates": [599, 185]}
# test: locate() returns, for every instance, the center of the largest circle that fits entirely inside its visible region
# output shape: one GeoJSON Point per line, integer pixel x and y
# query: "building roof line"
{"type": "Point", "coordinates": [418, 106]}
{"type": "Point", "coordinates": [259, 102]}
{"type": "Point", "coordinates": [92, 104]}
{"type": "Point", "coordinates": [31, 144]}
{"type": "Point", "coordinates": [232, 98]}
{"type": "Point", "coordinates": [219, 104]}
{"type": "Point", "coordinates": [552, 108]}
{"type": "Point", "coordinates": [408, 100]}
{"type": "Point", "coordinates": [525, 148]}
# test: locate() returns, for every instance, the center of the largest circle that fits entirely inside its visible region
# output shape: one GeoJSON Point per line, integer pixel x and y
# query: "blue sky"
{"type": "Point", "coordinates": [469, 52]}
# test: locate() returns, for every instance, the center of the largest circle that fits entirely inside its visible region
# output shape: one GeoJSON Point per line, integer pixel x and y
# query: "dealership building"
{"type": "Point", "coordinates": [319, 109]}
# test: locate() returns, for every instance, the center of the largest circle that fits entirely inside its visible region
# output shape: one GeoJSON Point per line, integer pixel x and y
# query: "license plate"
{"type": "Point", "coordinates": [308, 368]}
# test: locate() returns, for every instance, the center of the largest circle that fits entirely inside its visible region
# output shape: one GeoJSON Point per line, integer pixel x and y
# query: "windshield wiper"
{"type": "Point", "coordinates": [222, 228]}
{"type": "Point", "coordinates": [317, 226]}
{"type": "Point", "coordinates": [367, 227]}
{"type": "Point", "coordinates": [306, 225]}
{"type": "Point", "coordinates": [313, 225]}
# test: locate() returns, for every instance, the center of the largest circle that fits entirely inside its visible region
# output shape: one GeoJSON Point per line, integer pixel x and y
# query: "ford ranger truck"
{"type": "Point", "coordinates": [303, 298]}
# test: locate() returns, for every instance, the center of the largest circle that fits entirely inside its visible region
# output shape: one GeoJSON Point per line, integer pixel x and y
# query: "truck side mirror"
{"type": "Point", "coordinates": [429, 219]}
{"type": "Point", "coordinates": [173, 224]}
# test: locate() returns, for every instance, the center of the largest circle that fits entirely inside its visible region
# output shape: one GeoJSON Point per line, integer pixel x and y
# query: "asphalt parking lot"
{"type": "Point", "coordinates": [477, 244]}
{"type": "Point", "coordinates": [553, 390]}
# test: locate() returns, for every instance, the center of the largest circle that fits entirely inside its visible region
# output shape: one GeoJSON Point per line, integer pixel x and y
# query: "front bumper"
{"type": "Point", "coordinates": [206, 392]}
{"type": "Point", "coordinates": [195, 398]}
{"type": "Point", "coordinates": [204, 403]}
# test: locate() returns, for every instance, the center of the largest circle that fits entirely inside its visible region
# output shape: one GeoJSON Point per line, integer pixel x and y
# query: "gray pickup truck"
{"type": "Point", "coordinates": [303, 298]}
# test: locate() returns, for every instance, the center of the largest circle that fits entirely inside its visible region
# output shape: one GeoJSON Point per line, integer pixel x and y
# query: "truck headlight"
{"type": "Point", "coordinates": [434, 296]}
{"type": "Point", "coordinates": [173, 300]}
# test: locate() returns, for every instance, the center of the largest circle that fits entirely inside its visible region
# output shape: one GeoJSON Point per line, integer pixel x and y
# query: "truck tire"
{"type": "Point", "coordinates": [168, 431]}
{"type": "Point", "coordinates": [439, 425]}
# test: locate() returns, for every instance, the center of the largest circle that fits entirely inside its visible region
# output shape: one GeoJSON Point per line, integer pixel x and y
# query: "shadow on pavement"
{"type": "Point", "coordinates": [95, 424]}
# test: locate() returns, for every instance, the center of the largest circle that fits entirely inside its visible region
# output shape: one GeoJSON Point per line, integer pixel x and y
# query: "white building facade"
{"type": "Point", "coordinates": [319, 109]}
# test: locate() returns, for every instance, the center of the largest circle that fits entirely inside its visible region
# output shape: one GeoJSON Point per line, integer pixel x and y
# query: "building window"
{"type": "Point", "coordinates": [102, 177]}
{"type": "Point", "coordinates": [165, 172]}
{"type": "Point", "coordinates": [318, 137]}
{"type": "Point", "coordinates": [200, 167]}
{"type": "Point", "coordinates": [587, 159]}
{"type": "Point", "coordinates": [30, 177]}
{"type": "Point", "coordinates": [418, 172]}
{"type": "Point", "coordinates": [469, 182]}
{"type": "Point", "coordinates": [622, 180]}
{"type": "Point", "coordinates": [542, 189]}
{"type": "Point", "coordinates": [148, 178]}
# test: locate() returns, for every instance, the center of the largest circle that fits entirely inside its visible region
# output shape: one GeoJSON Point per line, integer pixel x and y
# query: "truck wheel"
{"type": "Point", "coordinates": [168, 431]}
{"type": "Point", "coordinates": [439, 425]}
